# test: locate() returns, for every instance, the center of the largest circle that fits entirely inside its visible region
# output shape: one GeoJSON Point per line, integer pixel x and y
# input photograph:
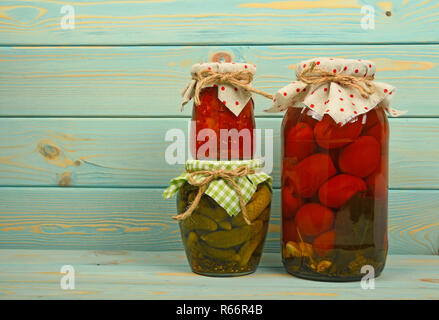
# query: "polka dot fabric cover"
{"type": "Point", "coordinates": [233, 98]}
{"type": "Point", "coordinates": [342, 103]}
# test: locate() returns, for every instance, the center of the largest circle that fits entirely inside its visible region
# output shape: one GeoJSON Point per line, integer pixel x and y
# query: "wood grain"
{"type": "Point", "coordinates": [139, 219]}
{"type": "Point", "coordinates": [147, 81]}
{"type": "Point", "coordinates": [35, 274]}
{"type": "Point", "coordinates": [208, 21]}
{"type": "Point", "coordinates": [130, 152]}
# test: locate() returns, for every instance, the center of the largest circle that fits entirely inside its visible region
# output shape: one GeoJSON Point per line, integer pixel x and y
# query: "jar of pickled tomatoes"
{"type": "Point", "coordinates": [223, 122]}
{"type": "Point", "coordinates": [335, 146]}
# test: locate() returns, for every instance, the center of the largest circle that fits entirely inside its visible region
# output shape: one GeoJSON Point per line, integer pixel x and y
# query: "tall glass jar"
{"type": "Point", "coordinates": [334, 172]}
{"type": "Point", "coordinates": [334, 195]}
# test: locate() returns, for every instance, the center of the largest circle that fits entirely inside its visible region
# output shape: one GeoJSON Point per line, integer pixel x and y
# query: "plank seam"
{"type": "Point", "coordinates": [231, 44]}
{"type": "Point", "coordinates": [170, 117]}
{"type": "Point", "coordinates": [159, 187]}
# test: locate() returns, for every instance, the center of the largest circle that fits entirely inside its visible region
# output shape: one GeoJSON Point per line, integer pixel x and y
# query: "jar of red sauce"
{"type": "Point", "coordinates": [223, 122]}
{"type": "Point", "coordinates": [335, 145]}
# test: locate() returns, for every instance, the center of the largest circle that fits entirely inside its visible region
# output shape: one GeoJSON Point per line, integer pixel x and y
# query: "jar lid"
{"type": "Point", "coordinates": [234, 98]}
{"type": "Point", "coordinates": [350, 67]}
{"type": "Point", "coordinates": [223, 67]}
{"type": "Point", "coordinates": [220, 190]}
{"type": "Point", "coordinates": [341, 88]}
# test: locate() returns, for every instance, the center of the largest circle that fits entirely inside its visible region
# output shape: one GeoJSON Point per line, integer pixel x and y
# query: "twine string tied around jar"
{"type": "Point", "coordinates": [209, 176]}
{"type": "Point", "coordinates": [240, 79]}
{"type": "Point", "coordinates": [315, 75]}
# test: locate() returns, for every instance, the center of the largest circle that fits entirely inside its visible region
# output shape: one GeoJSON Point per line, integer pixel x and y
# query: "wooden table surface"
{"type": "Point", "coordinates": [35, 274]}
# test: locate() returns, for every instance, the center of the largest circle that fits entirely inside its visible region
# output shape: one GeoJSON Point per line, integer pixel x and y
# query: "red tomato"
{"type": "Point", "coordinates": [300, 141]}
{"type": "Point", "coordinates": [377, 182]}
{"type": "Point", "coordinates": [309, 120]}
{"type": "Point", "coordinates": [360, 158]}
{"type": "Point", "coordinates": [371, 119]}
{"type": "Point", "coordinates": [334, 154]}
{"type": "Point", "coordinates": [313, 219]}
{"type": "Point", "coordinates": [288, 165]}
{"type": "Point", "coordinates": [377, 126]}
{"type": "Point", "coordinates": [324, 243]}
{"type": "Point", "coordinates": [290, 203]}
{"type": "Point", "coordinates": [330, 135]}
{"type": "Point", "coordinates": [309, 174]}
{"type": "Point", "coordinates": [378, 133]}
{"type": "Point", "coordinates": [289, 231]}
{"type": "Point", "coordinates": [339, 189]}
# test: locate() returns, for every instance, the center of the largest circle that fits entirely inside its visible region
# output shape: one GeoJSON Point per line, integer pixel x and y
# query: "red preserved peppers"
{"type": "Point", "coordinates": [232, 135]}
{"type": "Point", "coordinates": [223, 119]}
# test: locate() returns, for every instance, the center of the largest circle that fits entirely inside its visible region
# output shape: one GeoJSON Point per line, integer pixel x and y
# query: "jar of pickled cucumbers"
{"type": "Point", "coordinates": [222, 119]}
{"type": "Point", "coordinates": [335, 145]}
{"type": "Point", "coordinates": [223, 223]}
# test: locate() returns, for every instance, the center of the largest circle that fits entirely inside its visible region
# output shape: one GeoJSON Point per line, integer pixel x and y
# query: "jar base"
{"type": "Point", "coordinates": [323, 278]}
{"type": "Point", "coordinates": [223, 275]}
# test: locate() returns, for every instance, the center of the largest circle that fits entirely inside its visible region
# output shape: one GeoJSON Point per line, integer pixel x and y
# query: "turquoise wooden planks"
{"type": "Point", "coordinates": [130, 152]}
{"type": "Point", "coordinates": [35, 274]}
{"type": "Point", "coordinates": [139, 219]}
{"type": "Point", "coordinates": [147, 81]}
{"type": "Point", "coordinates": [229, 22]}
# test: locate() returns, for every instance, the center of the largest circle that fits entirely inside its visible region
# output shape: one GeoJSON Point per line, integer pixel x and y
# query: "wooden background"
{"type": "Point", "coordinates": [83, 112]}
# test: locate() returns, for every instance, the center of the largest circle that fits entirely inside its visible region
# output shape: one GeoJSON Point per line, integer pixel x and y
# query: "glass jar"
{"type": "Point", "coordinates": [223, 123]}
{"type": "Point", "coordinates": [334, 195]}
{"type": "Point", "coordinates": [210, 117]}
{"type": "Point", "coordinates": [218, 244]}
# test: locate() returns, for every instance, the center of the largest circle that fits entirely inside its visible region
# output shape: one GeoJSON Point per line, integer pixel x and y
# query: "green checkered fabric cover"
{"type": "Point", "coordinates": [220, 190]}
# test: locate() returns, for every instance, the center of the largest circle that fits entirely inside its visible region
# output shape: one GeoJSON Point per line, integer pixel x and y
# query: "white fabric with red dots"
{"type": "Point", "coordinates": [232, 97]}
{"type": "Point", "coordinates": [342, 103]}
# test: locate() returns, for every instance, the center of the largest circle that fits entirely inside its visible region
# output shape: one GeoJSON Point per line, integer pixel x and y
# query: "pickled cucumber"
{"type": "Point", "coordinates": [217, 213]}
{"type": "Point", "coordinates": [181, 201]}
{"type": "Point", "coordinates": [258, 204]}
{"type": "Point", "coordinates": [234, 237]}
{"type": "Point", "coordinates": [259, 201]}
{"type": "Point", "coordinates": [192, 239]}
{"type": "Point", "coordinates": [185, 198]}
{"type": "Point", "coordinates": [191, 197]}
{"type": "Point", "coordinates": [265, 215]}
{"type": "Point", "coordinates": [220, 254]}
{"type": "Point", "coordinates": [199, 222]}
{"type": "Point", "coordinates": [226, 225]}
{"type": "Point", "coordinates": [248, 248]}
{"type": "Point", "coordinates": [238, 220]}
{"type": "Point", "coordinates": [181, 206]}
